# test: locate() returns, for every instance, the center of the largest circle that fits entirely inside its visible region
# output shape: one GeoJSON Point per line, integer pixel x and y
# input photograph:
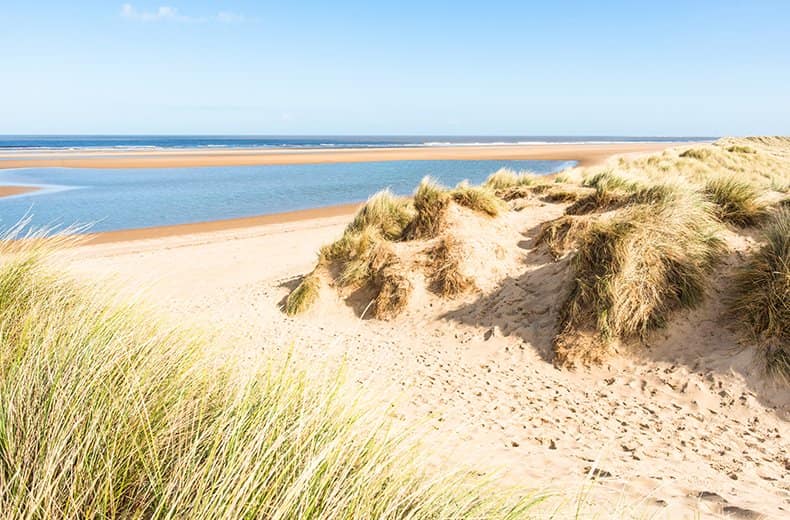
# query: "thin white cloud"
{"type": "Point", "coordinates": [167, 13]}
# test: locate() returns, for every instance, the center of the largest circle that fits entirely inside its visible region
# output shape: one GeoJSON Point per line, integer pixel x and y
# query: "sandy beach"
{"type": "Point", "coordinates": [586, 154]}
{"type": "Point", "coordinates": [669, 431]}
{"type": "Point", "coordinates": [8, 191]}
{"type": "Point", "coordinates": [684, 426]}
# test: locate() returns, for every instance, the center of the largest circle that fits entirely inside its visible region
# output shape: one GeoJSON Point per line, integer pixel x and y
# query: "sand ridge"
{"type": "Point", "coordinates": [586, 154]}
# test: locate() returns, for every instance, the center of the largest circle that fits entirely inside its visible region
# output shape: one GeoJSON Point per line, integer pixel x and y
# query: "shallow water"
{"type": "Point", "coordinates": [112, 199]}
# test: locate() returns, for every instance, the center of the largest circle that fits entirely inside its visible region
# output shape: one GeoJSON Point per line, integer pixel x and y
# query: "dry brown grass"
{"type": "Point", "coordinates": [632, 271]}
{"type": "Point", "coordinates": [446, 260]}
{"type": "Point", "coordinates": [761, 298]}
{"type": "Point", "coordinates": [561, 236]}
{"type": "Point", "coordinates": [478, 198]}
{"type": "Point", "coordinates": [505, 178]}
{"type": "Point", "coordinates": [430, 202]}
{"type": "Point", "coordinates": [304, 295]}
{"type": "Point", "coordinates": [514, 193]}
{"type": "Point", "coordinates": [386, 213]}
{"type": "Point", "coordinates": [737, 202]}
{"type": "Point", "coordinates": [392, 287]}
{"type": "Point", "coordinates": [762, 162]}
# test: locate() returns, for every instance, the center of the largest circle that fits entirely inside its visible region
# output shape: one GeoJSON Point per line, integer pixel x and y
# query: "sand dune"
{"type": "Point", "coordinates": [687, 423]}
{"type": "Point", "coordinates": [685, 426]}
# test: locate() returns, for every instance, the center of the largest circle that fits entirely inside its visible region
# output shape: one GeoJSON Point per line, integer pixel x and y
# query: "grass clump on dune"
{"type": "Point", "coordinates": [632, 270]}
{"type": "Point", "coordinates": [477, 198]}
{"type": "Point", "coordinates": [736, 201]}
{"type": "Point", "coordinates": [104, 414]}
{"type": "Point", "coordinates": [561, 235]}
{"type": "Point", "coordinates": [448, 278]}
{"type": "Point", "coordinates": [762, 294]}
{"type": "Point", "coordinates": [430, 202]}
{"type": "Point", "coordinates": [741, 149]}
{"type": "Point", "coordinates": [364, 255]}
{"type": "Point", "coordinates": [384, 212]}
{"type": "Point", "coordinates": [304, 295]}
{"type": "Point", "coordinates": [701, 154]}
{"type": "Point", "coordinates": [505, 178]}
{"type": "Point", "coordinates": [393, 288]}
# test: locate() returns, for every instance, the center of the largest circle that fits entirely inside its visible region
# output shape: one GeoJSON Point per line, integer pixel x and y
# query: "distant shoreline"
{"type": "Point", "coordinates": [585, 154]}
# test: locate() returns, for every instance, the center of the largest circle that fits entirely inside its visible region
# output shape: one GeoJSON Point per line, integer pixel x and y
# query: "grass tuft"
{"type": "Point", "coordinates": [762, 294]}
{"type": "Point", "coordinates": [384, 212]}
{"type": "Point", "coordinates": [304, 295]}
{"type": "Point", "coordinates": [701, 154]}
{"type": "Point", "coordinates": [478, 198]}
{"type": "Point", "coordinates": [736, 201]}
{"type": "Point", "coordinates": [447, 277]}
{"type": "Point", "coordinates": [561, 235]}
{"type": "Point", "coordinates": [741, 149]}
{"type": "Point", "coordinates": [505, 178]}
{"type": "Point", "coordinates": [632, 271]}
{"type": "Point", "coordinates": [392, 286]}
{"type": "Point", "coordinates": [430, 202]}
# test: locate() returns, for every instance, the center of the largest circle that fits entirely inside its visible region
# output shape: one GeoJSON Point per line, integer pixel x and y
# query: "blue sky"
{"type": "Point", "coordinates": [455, 67]}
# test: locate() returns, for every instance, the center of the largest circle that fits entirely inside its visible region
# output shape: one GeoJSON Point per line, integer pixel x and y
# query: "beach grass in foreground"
{"type": "Point", "coordinates": [105, 413]}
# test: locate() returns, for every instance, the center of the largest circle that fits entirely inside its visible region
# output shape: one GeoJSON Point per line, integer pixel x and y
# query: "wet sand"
{"type": "Point", "coordinates": [586, 154]}
{"type": "Point", "coordinates": [8, 191]}
{"type": "Point", "coordinates": [219, 225]}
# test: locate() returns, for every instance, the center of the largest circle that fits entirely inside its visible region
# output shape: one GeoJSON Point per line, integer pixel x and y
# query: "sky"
{"type": "Point", "coordinates": [695, 68]}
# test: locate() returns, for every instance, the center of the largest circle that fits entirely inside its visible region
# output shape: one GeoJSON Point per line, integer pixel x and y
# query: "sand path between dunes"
{"type": "Point", "coordinates": [689, 425]}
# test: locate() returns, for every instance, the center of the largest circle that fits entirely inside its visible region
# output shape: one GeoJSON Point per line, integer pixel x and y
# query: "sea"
{"type": "Point", "coordinates": [132, 142]}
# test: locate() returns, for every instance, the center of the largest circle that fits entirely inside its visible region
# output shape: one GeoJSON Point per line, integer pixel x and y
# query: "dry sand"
{"type": "Point", "coordinates": [688, 424]}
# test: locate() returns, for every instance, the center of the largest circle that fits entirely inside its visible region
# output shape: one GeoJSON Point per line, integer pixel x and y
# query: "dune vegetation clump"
{"type": "Point", "coordinates": [739, 148]}
{"type": "Point", "coordinates": [386, 213]}
{"type": "Point", "coordinates": [106, 414]}
{"type": "Point", "coordinates": [448, 277]}
{"type": "Point", "coordinates": [505, 178]}
{"type": "Point", "coordinates": [737, 202]}
{"type": "Point", "coordinates": [700, 154]}
{"type": "Point", "coordinates": [762, 294]}
{"type": "Point", "coordinates": [304, 296]}
{"type": "Point", "coordinates": [632, 270]}
{"type": "Point", "coordinates": [562, 235]}
{"type": "Point", "coordinates": [478, 198]}
{"type": "Point", "coordinates": [365, 256]}
{"type": "Point", "coordinates": [431, 202]}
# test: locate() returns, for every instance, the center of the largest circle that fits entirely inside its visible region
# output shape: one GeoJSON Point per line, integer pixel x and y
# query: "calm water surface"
{"type": "Point", "coordinates": [112, 199]}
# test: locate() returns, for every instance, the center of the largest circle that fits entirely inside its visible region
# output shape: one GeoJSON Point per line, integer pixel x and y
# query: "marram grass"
{"type": "Point", "coordinates": [505, 178]}
{"type": "Point", "coordinates": [737, 202]}
{"type": "Point", "coordinates": [107, 414]}
{"type": "Point", "coordinates": [304, 295]}
{"type": "Point", "coordinates": [761, 299]}
{"type": "Point", "coordinates": [478, 198]}
{"type": "Point", "coordinates": [632, 270]}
